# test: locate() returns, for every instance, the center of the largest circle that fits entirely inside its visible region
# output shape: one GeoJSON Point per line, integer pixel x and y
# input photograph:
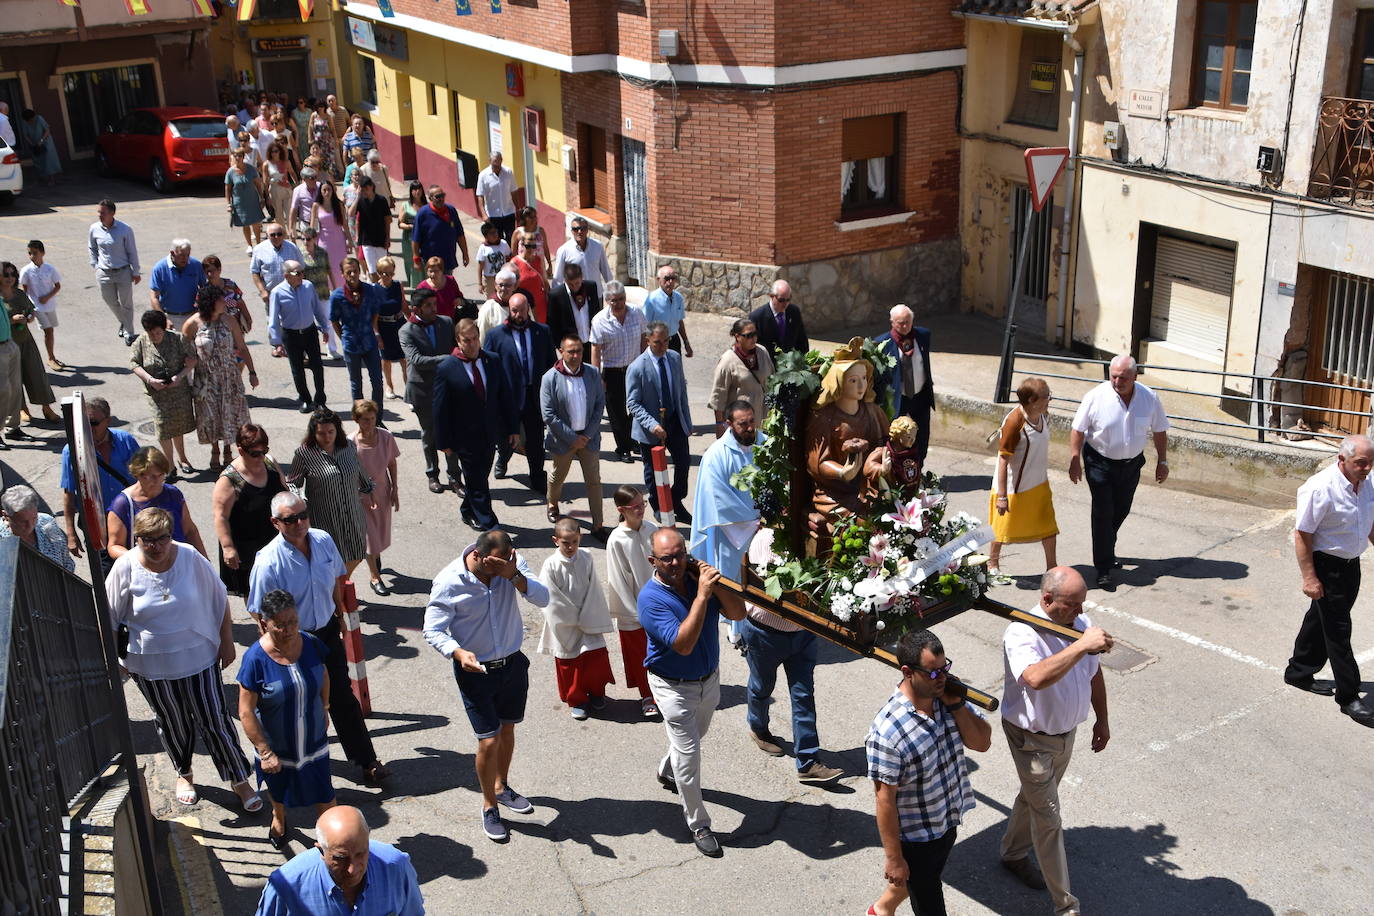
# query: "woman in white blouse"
{"type": "Point", "coordinates": [176, 611]}
{"type": "Point", "coordinates": [741, 374]}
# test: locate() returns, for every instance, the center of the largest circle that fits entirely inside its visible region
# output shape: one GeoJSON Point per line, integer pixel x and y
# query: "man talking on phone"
{"type": "Point", "coordinates": [472, 618]}
{"type": "Point", "coordinates": [680, 610]}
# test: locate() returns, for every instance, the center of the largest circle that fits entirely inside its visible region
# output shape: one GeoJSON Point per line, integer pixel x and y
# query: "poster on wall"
{"type": "Point", "coordinates": [360, 34]}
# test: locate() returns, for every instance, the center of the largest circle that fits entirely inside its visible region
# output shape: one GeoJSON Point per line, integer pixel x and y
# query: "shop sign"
{"type": "Point", "coordinates": [1044, 76]}
{"type": "Point", "coordinates": [391, 42]}
{"type": "Point", "coordinates": [360, 34]}
{"type": "Point", "coordinates": [277, 45]}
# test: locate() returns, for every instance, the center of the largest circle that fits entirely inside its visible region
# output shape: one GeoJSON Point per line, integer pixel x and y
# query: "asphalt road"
{"type": "Point", "coordinates": [1222, 791]}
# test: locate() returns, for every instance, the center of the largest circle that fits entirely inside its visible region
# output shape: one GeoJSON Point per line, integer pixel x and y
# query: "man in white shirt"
{"type": "Point", "coordinates": [1049, 683]}
{"type": "Point", "coordinates": [495, 197]}
{"type": "Point", "coordinates": [584, 251]}
{"type": "Point", "coordinates": [1335, 525]}
{"type": "Point", "coordinates": [1109, 432]}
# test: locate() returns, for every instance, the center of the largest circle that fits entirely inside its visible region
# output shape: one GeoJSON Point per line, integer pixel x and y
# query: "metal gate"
{"type": "Point", "coordinates": [636, 192]}
{"type": "Point", "coordinates": [1343, 340]}
{"type": "Point", "coordinates": [1034, 294]}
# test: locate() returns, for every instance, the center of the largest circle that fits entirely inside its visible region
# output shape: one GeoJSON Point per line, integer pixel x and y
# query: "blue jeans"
{"type": "Point", "coordinates": [796, 652]}
{"type": "Point", "coordinates": [355, 361]}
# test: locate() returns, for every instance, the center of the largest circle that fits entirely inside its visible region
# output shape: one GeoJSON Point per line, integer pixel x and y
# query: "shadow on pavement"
{"type": "Point", "coordinates": [1117, 870]}
{"type": "Point", "coordinates": [440, 857]}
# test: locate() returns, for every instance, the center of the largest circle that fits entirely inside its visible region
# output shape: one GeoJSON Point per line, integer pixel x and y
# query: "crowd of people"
{"type": "Point", "coordinates": [530, 367]}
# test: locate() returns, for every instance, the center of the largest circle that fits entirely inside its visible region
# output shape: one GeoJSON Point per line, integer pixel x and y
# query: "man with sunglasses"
{"type": "Point", "coordinates": [306, 563]}
{"type": "Point", "coordinates": [584, 251]}
{"type": "Point", "coordinates": [1049, 685]}
{"type": "Point", "coordinates": [113, 449]}
{"type": "Point", "coordinates": [680, 610]}
{"type": "Point", "coordinates": [666, 304]}
{"type": "Point", "coordinates": [438, 233]}
{"type": "Point", "coordinates": [779, 323]}
{"type": "Point", "coordinates": [915, 751]}
{"type": "Point", "coordinates": [268, 263]}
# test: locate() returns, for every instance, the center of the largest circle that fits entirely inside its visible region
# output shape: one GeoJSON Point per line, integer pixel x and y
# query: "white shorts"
{"type": "Point", "coordinates": [46, 319]}
{"type": "Point", "coordinates": [372, 255]}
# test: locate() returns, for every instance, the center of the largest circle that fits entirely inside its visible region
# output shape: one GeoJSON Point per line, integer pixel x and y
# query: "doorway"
{"type": "Point", "coordinates": [635, 189]}
{"type": "Point", "coordinates": [97, 100]}
{"type": "Point", "coordinates": [285, 74]}
{"type": "Point", "coordinates": [1342, 352]}
{"type": "Point", "coordinates": [1033, 297]}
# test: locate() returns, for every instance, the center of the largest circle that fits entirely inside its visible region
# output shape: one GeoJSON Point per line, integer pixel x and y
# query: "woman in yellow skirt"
{"type": "Point", "coordinates": [1024, 512]}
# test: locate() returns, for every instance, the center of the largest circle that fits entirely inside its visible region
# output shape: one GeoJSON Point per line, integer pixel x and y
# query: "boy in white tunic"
{"type": "Point", "coordinates": [627, 569]}
{"type": "Point", "coordinates": [575, 620]}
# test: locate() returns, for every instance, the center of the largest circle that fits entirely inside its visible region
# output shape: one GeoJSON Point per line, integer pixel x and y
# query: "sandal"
{"type": "Point", "coordinates": [279, 841]}
{"type": "Point", "coordinates": [253, 803]}
{"type": "Point", "coordinates": [187, 796]}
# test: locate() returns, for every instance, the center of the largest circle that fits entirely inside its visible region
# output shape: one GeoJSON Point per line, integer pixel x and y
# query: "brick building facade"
{"type": "Point", "coordinates": [777, 139]}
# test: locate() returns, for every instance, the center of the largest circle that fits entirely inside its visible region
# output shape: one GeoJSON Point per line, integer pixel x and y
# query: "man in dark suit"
{"type": "Point", "coordinates": [426, 342]}
{"type": "Point", "coordinates": [911, 389]}
{"type": "Point", "coordinates": [659, 417]}
{"type": "Point", "coordinates": [526, 349]}
{"type": "Point", "coordinates": [474, 412]}
{"type": "Point", "coordinates": [779, 323]}
{"type": "Point", "coordinates": [572, 306]}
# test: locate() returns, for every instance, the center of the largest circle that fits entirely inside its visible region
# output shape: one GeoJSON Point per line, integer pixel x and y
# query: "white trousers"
{"type": "Point", "coordinates": [687, 708]}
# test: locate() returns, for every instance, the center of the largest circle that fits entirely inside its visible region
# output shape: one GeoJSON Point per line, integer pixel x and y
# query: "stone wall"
{"type": "Point", "coordinates": [835, 293]}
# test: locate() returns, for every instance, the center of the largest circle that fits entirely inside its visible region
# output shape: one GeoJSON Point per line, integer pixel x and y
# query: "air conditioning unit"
{"type": "Point", "coordinates": [534, 129]}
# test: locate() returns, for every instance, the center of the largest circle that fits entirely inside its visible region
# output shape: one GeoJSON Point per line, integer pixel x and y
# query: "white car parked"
{"type": "Point", "coordinates": [11, 174]}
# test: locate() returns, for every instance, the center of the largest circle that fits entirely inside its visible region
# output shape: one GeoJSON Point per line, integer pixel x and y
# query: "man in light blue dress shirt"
{"type": "Point", "coordinates": [473, 619]}
{"type": "Point", "coordinates": [114, 255]}
{"type": "Point", "coordinates": [294, 313]}
{"type": "Point", "coordinates": [268, 263]}
{"type": "Point", "coordinates": [344, 874]}
{"type": "Point", "coordinates": [666, 304]}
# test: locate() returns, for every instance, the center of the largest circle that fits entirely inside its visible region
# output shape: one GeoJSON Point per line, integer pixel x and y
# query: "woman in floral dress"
{"type": "Point", "coordinates": [220, 405]}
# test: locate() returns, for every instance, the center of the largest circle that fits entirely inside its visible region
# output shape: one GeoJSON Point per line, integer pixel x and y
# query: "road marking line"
{"type": "Point", "coordinates": [1182, 636]}
{"type": "Point", "coordinates": [191, 861]}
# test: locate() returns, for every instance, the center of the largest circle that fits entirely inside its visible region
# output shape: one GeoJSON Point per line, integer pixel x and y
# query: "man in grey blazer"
{"type": "Point", "coordinates": [659, 417]}
{"type": "Point", "coordinates": [425, 342]}
{"type": "Point", "coordinates": [571, 401]}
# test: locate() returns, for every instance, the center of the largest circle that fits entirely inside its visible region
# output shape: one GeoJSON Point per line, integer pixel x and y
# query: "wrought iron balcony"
{"type": "Point", "coordinates": [1343, 160]}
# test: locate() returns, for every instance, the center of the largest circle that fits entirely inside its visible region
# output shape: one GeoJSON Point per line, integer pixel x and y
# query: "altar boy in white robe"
{"type": "Point", "coordinates": [627, 570]}
{"type": "Point", "coordinates": [576, 620]}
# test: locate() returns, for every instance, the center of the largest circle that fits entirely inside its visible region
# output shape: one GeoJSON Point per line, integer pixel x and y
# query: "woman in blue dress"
{"type": "Point", "coordinates": [283, 708]}
{"type": "Point", "coordinates": [37, 136]}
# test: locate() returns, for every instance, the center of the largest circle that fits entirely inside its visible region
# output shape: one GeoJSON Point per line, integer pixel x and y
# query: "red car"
{"type": "Point", "coordinates": [166, 145]}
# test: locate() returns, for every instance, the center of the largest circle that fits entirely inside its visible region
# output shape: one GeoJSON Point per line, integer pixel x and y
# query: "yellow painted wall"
{"type": "Point", "coordinates": [231, 44]}
{"type": "Point", "coordinates": [469, 79]}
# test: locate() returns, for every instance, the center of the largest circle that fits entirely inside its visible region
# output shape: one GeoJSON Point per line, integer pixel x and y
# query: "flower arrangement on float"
{"type": "Point", "coordinates": [902, 558]}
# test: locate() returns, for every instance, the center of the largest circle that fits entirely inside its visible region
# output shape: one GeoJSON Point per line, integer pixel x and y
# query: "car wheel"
{"type": "Point", "coordinates": [159, 175]}
{"type": "Point", "coordinates": [6, 198]}
{"type": "Point", "coordinates": [102, 164]}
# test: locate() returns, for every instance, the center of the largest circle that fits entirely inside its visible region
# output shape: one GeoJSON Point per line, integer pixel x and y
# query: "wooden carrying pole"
{"type": "Point", "coordinates": [836, 633]}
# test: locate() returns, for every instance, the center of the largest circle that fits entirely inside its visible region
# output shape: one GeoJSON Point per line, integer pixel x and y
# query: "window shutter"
{"type": "Point", "coordinates": [1191, 307]}
{"type": "Point", "coordinates": [869, 138]}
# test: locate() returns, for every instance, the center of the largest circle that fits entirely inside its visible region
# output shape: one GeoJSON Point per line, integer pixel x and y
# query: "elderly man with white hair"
{"type": "Point", "coordinates": [911, 391]}
{"type": "Point", "coordinates": [20, 518]}
{"type": "Point", "coordinates": [345, 871]}
{"type": "Point", "coordinates": [1110, 430]}
{"type": "Point", "coordinates": [232, 126]}
{"type": "Point", "coordinates": [1335, 525]}
{"type": "Point", "coordinates": [174, 281]}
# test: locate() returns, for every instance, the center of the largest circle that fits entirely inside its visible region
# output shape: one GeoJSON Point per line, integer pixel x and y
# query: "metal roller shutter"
{"type": "Point", "coordinates": [1191, 307]}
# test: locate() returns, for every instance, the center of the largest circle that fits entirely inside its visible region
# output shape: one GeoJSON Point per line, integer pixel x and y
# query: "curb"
{"type": "Point", "coordinates": [191, 862]}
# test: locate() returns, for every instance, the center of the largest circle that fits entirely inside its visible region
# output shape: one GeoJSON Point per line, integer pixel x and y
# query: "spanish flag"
{"type": "Point", "coordinates": [307, 9]}
{"type": "Point", "coordinates": [137, 7]}
{"type": "Point", "coordinates": [203, 7]}
{"type": "Point", "coordinates": [246, 9]}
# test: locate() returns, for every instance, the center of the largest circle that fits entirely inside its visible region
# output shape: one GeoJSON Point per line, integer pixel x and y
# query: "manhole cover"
{"type": "Point", "coordinates": [146, 430]}
{"type": "Point", "coordinates": [1126, 658]}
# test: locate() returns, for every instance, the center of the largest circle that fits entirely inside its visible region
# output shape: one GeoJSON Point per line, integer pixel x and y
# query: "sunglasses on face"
{"type": "Point", "coordinates": [934, 674]}
{"type": "Point", "coordinates": [155, 542]}
{"type": "Point", "coordinates": [255, 452]}
{"type": "Point", "coordinates": [747, 334]}
{"type": "Point", "coordinates": [293, 518]}
{"type": "Point", "coordinates": [673, 557]}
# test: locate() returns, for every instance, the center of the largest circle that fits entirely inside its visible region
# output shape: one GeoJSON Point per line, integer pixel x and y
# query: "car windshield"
{"type": "Point", "coordinates": [199, 128]}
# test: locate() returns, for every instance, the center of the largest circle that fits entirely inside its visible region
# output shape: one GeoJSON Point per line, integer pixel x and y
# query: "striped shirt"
{"type": "Point", "coordinates": [924, 759]}
{"type": "Point", "coordinates": [619, 342]}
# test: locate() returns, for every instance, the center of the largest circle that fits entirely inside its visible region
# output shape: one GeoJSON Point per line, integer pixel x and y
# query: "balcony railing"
{"type": "Point", "coordinates": [1343, 160]}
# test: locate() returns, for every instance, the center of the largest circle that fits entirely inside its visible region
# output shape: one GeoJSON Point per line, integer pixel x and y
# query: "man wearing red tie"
{"type": "Point", "coordinates": [474, 411]}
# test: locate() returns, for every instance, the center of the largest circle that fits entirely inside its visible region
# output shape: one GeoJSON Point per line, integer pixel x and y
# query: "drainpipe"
{"type": "Point", "coordinates": [1070, 185]}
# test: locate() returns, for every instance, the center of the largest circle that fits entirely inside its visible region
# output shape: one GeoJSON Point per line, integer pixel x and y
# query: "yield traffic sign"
{"type": "Point", "coordinates": [1043, 167]}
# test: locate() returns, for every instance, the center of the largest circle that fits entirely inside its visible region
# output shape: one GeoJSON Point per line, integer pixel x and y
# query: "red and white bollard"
{"type": "Point", "coordinates": [659, 458]}
{"type": "Point", "coordinates": [351, 628]}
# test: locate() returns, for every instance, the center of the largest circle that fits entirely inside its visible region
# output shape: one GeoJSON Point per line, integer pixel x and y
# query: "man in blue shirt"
{"type": "Point", "coordinates": [175, 279]}
{"type": "Point", "coordinates": [346, 873]}
{"type": "Point", "coordinates": [114, 448]}
{"type": "Point", "coordinates": [114, 256]}
{"type": "Point", "coordinates": [294, 313]}
{"type": "Point", "coordinates": [268, 263]}
{"type": "Point", "coordinates": [438, 233]}
{"type": "Point", "coordinates": [305, 562]}
{"type": "Point", "coordinates": [353, 310]}
{"type": "Point", "coordinates": [472, 618]}
{"type": "Point", "coordinates": [666, 304]}
{"type": "Point", "coordinates": [680, 610]}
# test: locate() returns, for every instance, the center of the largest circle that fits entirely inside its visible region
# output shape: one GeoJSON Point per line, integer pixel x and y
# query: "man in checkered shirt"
{"type": "Point", "coordinates": [916, 761]}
